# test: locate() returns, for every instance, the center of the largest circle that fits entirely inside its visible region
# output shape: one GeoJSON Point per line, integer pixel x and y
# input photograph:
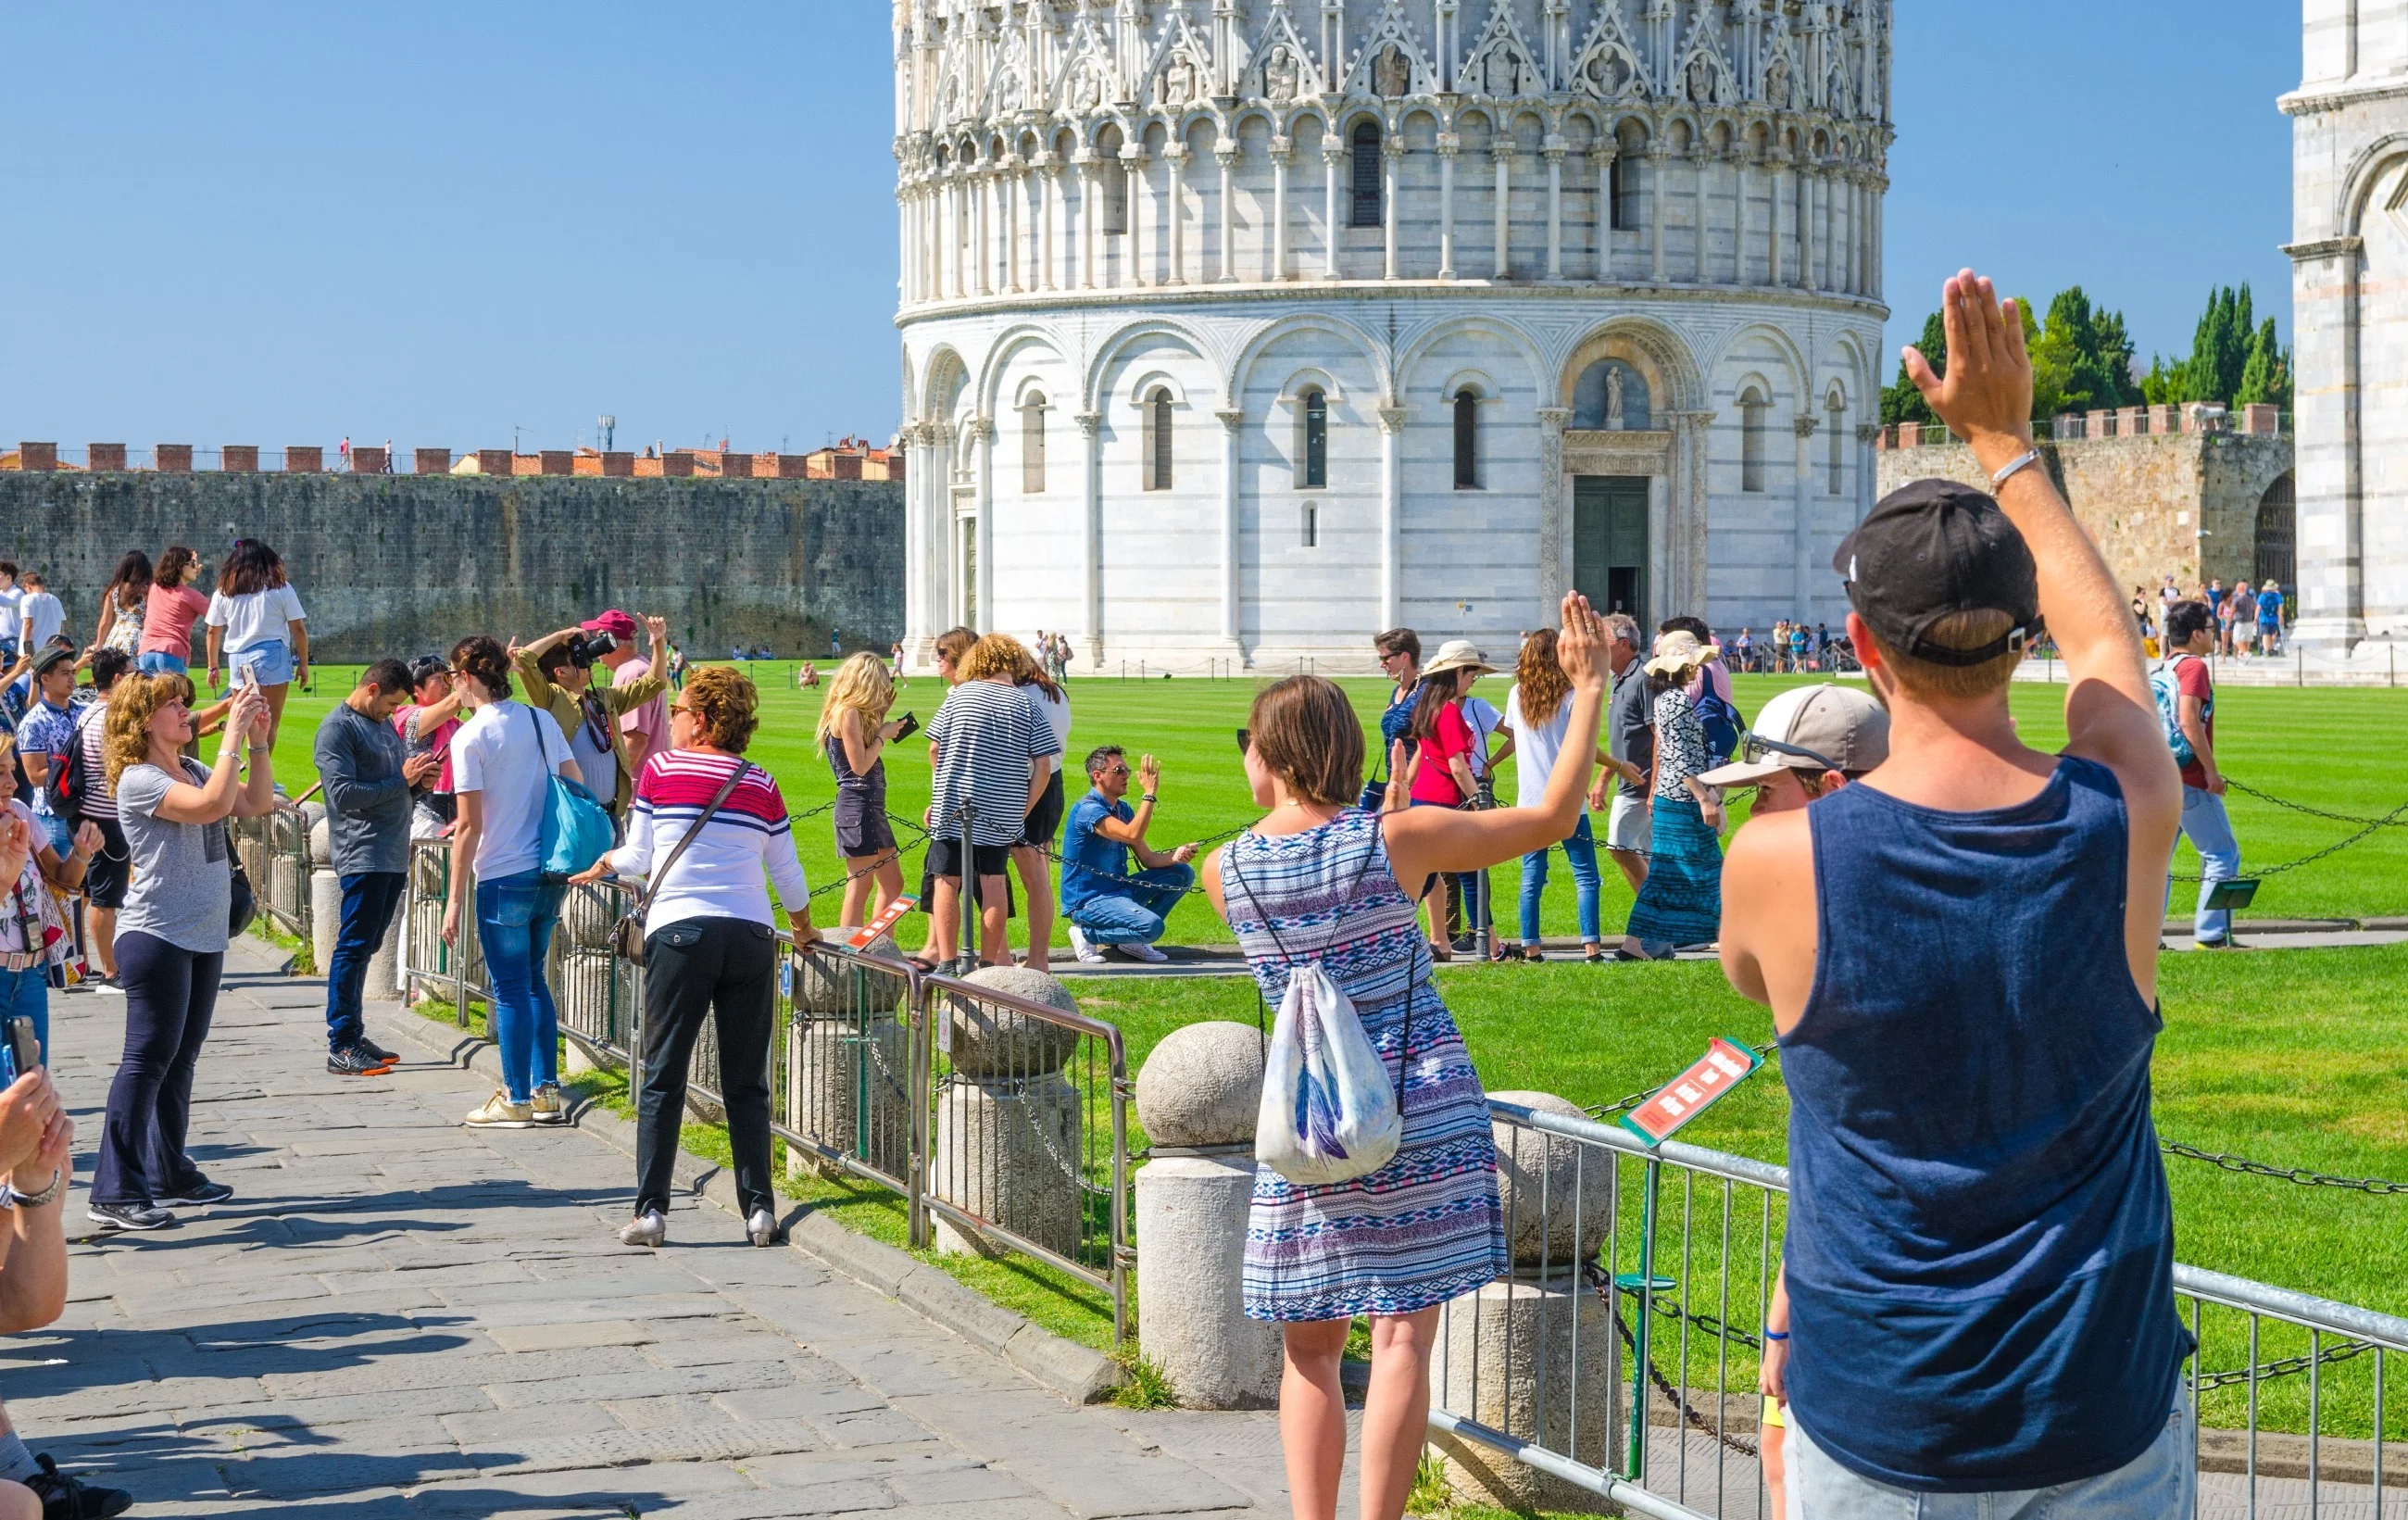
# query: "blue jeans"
{"type": "Point", "coordinates": [160, 663]}
{"type": "Point", "coordinates": [1581, 850]}
{"type": "Point", "coordinates": [370, 899]}
{"type": "Point", "coordinates": [515, 917]}
{"type": "Point", "coordinates": [2158, 1484]}
{"type": "Point", "coordinates": [27, 995]}
{"type": "Point", "coordinates": [1134, 916]}
{"type": "Point", "coordinates": [2219, 859]}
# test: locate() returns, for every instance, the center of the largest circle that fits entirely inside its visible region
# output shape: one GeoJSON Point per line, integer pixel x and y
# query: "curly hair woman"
{"type": "Point", "coordinates": [707, 825]}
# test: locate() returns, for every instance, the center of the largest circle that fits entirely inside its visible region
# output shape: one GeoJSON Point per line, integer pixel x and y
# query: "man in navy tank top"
{"type": "Point", "coordinates": [1978, 1278]}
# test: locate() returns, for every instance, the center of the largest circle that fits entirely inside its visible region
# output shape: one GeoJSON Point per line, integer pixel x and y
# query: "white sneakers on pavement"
{"type": "Point", "coordinates": [1085, 949]}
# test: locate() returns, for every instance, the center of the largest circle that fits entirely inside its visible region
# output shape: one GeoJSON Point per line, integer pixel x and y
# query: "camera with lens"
{"type": "Point", "coordinates": [584, 649]}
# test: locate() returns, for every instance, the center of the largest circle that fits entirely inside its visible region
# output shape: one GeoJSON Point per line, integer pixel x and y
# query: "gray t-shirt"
{"type": "Point", "coordinates": [184, 887]}
{"type": "Point", "coordinates": [1629, 722]}
{"type": "Point", "coordinates": [367, 803]}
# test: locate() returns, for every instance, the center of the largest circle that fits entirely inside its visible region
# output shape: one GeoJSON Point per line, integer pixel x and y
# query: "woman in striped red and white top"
{"type": "Point", "coordinates": [710, 946]}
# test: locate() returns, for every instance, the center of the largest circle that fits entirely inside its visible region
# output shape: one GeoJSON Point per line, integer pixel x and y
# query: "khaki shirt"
{"type": "Point", "coordinates": [566, 710]}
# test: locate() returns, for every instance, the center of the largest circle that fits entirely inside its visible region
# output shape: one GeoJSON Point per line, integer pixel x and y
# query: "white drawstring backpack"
{"type": "Point", "coordinates": [1328, 1114]}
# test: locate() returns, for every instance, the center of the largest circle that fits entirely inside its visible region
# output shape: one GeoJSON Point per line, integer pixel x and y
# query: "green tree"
{"type": "Point", "coordinates": [2082, 360]}
{"type": "Point", "coordinates": [1901, 402]}
{"type": "Point", "coordinates": [2219, 350]}
{"type": "Point", "coordinates": [2266, 376]}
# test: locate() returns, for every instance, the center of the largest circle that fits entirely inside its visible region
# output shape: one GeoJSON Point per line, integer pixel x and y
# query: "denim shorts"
{"type": "Point", "coordinates": [158, 662]}
{"type": "Point", "coordinates": [271, 663]}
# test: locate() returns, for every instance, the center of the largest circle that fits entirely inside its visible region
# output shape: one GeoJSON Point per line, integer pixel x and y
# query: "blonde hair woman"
{"type": "Point", "coordinates": [853, 733]}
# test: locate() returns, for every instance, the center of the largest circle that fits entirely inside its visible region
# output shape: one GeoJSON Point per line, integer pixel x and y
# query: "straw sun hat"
{"type": "Point", "coordinates": [1677, 654]}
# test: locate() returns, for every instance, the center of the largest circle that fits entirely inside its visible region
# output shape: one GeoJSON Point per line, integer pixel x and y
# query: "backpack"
{"type": "Point", "coordinates": [2166, 686]}
{"type": "Point", "coordinates": [576, 827]}
{"type": "Point", "coordinates": [1723, 722]}
{"type": "Point", "coordinates": [72, 780]}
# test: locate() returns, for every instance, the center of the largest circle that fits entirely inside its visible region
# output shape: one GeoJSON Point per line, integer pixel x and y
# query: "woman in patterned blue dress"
{"type": "Point", "coordinates": [1318, 879]}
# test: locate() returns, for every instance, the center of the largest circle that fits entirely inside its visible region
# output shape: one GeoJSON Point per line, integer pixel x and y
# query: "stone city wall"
{"type": "Point", "coordinates": [2178, 504]}
{"type": "Point", "coordinates": [404, 564]}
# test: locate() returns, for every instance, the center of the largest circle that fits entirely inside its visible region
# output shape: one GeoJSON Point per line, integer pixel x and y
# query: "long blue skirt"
{"type": "Point", "coordinates": [1682, 903]}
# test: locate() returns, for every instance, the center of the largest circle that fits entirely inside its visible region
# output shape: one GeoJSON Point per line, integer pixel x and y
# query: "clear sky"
{"type": "Point", "coordinates": [252, 221]}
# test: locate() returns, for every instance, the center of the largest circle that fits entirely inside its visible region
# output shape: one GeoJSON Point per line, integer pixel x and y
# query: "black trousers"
{"type": "Point", "coordinates": [695, 968]}
{"type": "Point", "coordinates": [170, 994]}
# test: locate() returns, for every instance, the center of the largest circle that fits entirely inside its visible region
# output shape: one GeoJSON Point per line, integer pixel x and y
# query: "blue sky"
{"type": "Point", "coordinates": [442, 222]}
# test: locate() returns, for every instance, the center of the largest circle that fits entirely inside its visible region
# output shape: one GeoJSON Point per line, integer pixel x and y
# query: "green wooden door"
{"type": "Point", "coordinates": [1610, 543]}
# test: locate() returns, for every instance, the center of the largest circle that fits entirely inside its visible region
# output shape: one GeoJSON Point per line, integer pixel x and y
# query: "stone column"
{"type": "Point", "coordinates": [1196, 1097]}
{"type": "Point", "coordinates": [1683, 588]}
{"type": "Point", "coordinates": [1333, 152]}
{"type": "Point", "coordinates": [1392, 513]}
{"type": "Point", "coordinates": [1502, 151]}
{"type": "Point", "coordinates": [1806, 424]}
{"type": "Point", "coordinates": [1448, 145]}
{"type": "Point", "coordinates": [1554, 153]}
{"type": "Point", "coordinates": [1773, 184]}
{"type": "Point", "coordinates": [1090, 193]}
{"type": "Point", "coordinates": [1700, 156]}
{"type": "Point", "coordinates": [1554, 510]}
{"type": "Point", "coordinates": [1226, 155]}
{"type": "Point", "coordinates": [1141, 189]}
{"type": "Point", "coordinates": [1283, 155]}
{"type": "Point", "coordinates": [1091, 548]}
{"type": "Point", "coordinates": [1177, 158]}
{"type": "Point", "coordinates": [1233, 421]}
{"type": "Point", "coordinates": [1392, 154]}
{"type": "Point", "coordinates": [1008, 194]}
{"type": "Point", "coordinates": [982, 432]}
{"type": "Point", "coordinates": [1868, 467]}
{"type": "Point", "coordinates": [982, 218]}
{"type": "Point", "coordinates": [2327, 286]}
{"type": "Point", "coordinates": [1655, 156]}
{"type": "Point", "coordinates": [1050, 188]}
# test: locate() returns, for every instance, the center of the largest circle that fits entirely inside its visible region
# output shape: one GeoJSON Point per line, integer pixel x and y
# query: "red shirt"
{"type": "Point", "coordinates": [1435, 781]}
{"type": "Point", "coordinates": [2192, 678]}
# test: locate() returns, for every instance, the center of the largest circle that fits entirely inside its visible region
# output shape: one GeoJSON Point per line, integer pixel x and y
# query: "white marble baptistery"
{"type": "Point", "coordinates": [1239, 330]}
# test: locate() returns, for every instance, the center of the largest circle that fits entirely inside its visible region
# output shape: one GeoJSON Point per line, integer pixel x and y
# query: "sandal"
{"type": "Point", "coordinates": [1533, 954]}
{"type": "Point", "coordinates": [1596, 955]}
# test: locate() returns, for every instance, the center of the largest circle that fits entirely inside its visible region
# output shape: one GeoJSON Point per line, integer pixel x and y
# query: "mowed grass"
{"type": "Point", "coordinates": [2336, 750]}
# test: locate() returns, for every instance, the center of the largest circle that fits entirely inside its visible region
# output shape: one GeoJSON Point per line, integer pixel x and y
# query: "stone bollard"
{"type": "Point", "coordinates": [586, 970]}
{"type": "Point", "coordinates": [1535, 1355]}
{"type": "Point", "coordinates": [1007, 1127]}
{"type": "Point", "coordinates": [1196, 1097]}
{"type": "Point", "coordinates": [384, 962]}
{"type": "Point", "coordinates": [325, 916]}
{"type": "Point", "coordinates": [844, 1013]}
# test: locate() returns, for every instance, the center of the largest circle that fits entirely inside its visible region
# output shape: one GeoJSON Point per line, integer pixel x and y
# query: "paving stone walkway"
{"type": "Point", "coordinates": [396, 1316]}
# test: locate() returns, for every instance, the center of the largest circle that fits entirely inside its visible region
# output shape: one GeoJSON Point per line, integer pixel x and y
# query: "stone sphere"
{"type": "Point", "coordinates": [997, 1044]}
{"type": "Point", "coordinates": [1202, 1085]}
{"type": "Point", "coordinates": [322, 845]}
{"type": "Point", "coordinates": [1545, 1181]}
{"type": "Point", "coordinates": [833, 986]}
{"type": "Point", "coordinates": [314, 810]}
{"type": "Point", "coordinates": [586, 915]}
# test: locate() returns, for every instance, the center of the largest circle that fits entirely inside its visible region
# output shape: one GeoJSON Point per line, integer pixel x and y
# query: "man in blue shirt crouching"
{"type": "Point", "coordinates": [1108, 906]}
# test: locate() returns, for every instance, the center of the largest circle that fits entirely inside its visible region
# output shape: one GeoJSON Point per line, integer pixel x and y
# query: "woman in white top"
{"type": "Point", "coordinates": [255, 620]}
{"type": "Point", "coordinates": [502, 760]}
{"type": "Point", "coordinates": [1051, 705]}
{"type": "Point", "coordinates": [1539, 712]}
{"type": "Point", "coordinates": [711, 947]}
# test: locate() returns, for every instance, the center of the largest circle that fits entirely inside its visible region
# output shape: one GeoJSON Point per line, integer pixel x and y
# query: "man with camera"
{"type": "Point", "coordinates": [647, 726]}
{"type": "Point", "coordinates": [1108, 906]}
{"type": "Point", "coordinates": [558, 670]}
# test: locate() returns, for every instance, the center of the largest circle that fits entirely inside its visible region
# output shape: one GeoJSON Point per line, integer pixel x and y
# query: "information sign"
{"type": "Point", "coordinates": [1725, 1064]}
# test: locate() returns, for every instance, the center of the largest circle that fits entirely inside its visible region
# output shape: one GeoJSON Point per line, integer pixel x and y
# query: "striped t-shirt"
{"type": "Point", "coordinates": [92, 729]}
{"type": "Point", "coordinates": [720, 875]}
{"type": "Point", "coordinates": [987, 733]}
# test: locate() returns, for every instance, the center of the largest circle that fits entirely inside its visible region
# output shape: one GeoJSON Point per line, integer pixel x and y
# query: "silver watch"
{"type": "Point", "coordinates": [11, 1198]}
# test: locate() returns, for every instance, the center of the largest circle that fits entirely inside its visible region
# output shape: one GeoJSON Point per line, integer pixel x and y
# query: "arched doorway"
{"type": "Point", "coordinates": [2277, 558]}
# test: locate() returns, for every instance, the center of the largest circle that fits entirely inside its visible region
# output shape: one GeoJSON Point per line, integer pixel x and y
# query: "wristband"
{"type": "Point", "coordinates": [1771, 1334]}
{"type": "Point", "coordinates": [2026, 461]}
{"type": "Point", "coordinates": [1145, 796]}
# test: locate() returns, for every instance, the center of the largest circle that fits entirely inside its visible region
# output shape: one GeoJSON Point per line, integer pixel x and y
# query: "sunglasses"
{"type": "Point", "coordinates": [1245, 741]}
{"type": "Point", "coordinates": [1754, 747]}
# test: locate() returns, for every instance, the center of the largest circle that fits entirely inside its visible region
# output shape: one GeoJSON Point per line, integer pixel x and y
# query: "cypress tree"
{"type": "Point", "coordinates": [1901, 402]}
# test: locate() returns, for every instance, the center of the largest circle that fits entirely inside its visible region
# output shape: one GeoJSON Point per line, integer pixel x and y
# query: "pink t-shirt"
{"type": "Point", "coordinates": [167, 620]}
{"type": "Point", "coordinates": [647, 727]}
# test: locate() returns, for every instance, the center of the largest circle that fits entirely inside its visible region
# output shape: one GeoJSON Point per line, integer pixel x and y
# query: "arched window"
{"type": "Point", "coordinates": [1312, 525]}
{"type": "Point", "coordinates": [1467, 439]}
{"type": "Point", "coordinates": [1312, 443]}
{"type": "Point", "coordinates": [1836, 405]}
{"type": "Point", "coordinates": [1629, 143]}
{"type": "Point", "coordinates": [1157, 439]}
{"type": "Point", "coordinates": [1368, 211]}
{"type": "Point", "coordinates": [1752, 408]}
{"type": "Point", "coordinates": [1032, 444]}
{"type": "Point", "coordinates": [1613, 194]}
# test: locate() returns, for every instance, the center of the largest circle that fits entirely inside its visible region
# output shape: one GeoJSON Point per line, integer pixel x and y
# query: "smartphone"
{"type": "Point", "coordinates": [24, 1051]}
{"type": "Point", "coordinates": [910, 727]}
{"type": "Point", "coordinates": [246, 675]}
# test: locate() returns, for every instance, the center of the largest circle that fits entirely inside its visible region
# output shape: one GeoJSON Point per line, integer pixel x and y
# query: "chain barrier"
{"type": "Point", "coordinates": [2301, 1175]}
{"type": "Point", "coordinates": [2282, 1367]}
{"type": "Point", "coordinates": [2396, 818]}
{"type": "Point", "coordinates": [1689, 1414]}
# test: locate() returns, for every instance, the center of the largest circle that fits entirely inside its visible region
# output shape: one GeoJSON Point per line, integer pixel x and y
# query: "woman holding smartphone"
{"type": "Point", "coordinates": [171, 934]}
{"type": "Point", "coordinates": [255, 620]}
{"type": "Point", "coordinates": [855, 733]}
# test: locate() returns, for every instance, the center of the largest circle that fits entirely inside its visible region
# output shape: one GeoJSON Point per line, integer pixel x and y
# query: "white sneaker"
{"type": "Point", "coordinates": [547, 1106]}
{"type": "Point", "coordinates": [646, 1229]}
{"type": "Point", "coordinates": [500, 1112]}
{"type": "Point", "coordinates": [1084, 948]}
{"type": "Point", "coordinates": [1143, 952]}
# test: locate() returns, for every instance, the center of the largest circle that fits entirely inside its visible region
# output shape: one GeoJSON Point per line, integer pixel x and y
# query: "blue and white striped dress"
{"type": "Point", "coordinates": [1427, 1226]}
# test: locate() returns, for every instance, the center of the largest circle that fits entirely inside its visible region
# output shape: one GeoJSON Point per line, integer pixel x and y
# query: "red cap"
{"type": "Point", "coordinates": [616, 624]}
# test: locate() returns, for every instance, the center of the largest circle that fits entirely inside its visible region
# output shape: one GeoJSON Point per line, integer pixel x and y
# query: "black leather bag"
{"type": "Point", "coordinates": [244, 906]}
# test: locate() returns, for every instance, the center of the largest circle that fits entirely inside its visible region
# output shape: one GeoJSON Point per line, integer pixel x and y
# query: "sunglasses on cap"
{"type": "Point", "coordinates": [1755, 747]}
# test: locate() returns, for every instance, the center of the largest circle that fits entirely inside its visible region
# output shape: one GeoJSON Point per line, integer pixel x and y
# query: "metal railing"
{"type": "Point", "coordinates": [1002, 1123]}
{"type": "Point", "coordinates": [1619, 1357]}
{"type": "Point", "coordinates": [274, 849]}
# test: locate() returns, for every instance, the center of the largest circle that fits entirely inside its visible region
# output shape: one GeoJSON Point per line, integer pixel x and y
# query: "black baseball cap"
{"type": "Point", "coordinates": [1932, 548]}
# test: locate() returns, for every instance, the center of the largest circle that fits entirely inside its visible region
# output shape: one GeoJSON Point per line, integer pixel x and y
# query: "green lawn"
{"type": "Point", "coordinates": [2334, 748]}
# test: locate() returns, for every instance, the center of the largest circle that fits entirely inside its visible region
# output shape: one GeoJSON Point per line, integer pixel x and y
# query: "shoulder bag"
{"type": "Point", "coordinates": [627, 935]}
{"type": "Point", "coordinates": [576, 827]}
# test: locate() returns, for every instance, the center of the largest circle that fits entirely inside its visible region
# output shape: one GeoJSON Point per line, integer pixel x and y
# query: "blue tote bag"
{"type": "Point", "coordinates": [577, 829]}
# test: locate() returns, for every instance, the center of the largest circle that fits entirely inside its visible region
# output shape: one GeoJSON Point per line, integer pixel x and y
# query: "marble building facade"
{"type": "Point", "coordinates": [2350, 319]}
{"type": "Point", "coordinates": [1238, 330]}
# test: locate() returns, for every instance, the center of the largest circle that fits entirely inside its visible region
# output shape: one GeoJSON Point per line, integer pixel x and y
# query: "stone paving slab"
{"type": "Point", "coordinates": [399, 1317]}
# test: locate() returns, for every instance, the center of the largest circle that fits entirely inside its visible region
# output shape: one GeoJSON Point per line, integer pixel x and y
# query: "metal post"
{"type": "Point", "coordinates": [966, 955]}
{"type": "Point", "coordinates": [1646, 1297]}
{"type": "Point", "coordinates": [1484, 932]}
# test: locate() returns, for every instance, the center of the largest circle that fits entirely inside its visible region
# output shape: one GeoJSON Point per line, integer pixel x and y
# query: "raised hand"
{"type": "Point", "coordinates": [1581, 646]}
{"type": "Point", "coordinates": [657, 630]}
{"type": "Point", "coordinates": [1988, 387]}
{"type": "Point", "coordinates": [1149, 774]}
{"type": "Point", "coordinates": [16, 843]}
